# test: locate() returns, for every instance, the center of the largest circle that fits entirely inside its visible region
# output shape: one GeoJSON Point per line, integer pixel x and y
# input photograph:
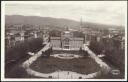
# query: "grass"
{"type": "Point", "coordinates": [51, 64]}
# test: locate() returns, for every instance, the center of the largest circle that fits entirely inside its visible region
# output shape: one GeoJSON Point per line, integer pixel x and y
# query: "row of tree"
{"type": "Point", "coordinates": [20, 50]}
{"type": "Point", "coordinates": [111, 47]}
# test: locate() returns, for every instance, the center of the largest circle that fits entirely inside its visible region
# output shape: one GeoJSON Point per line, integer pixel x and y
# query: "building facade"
{"type": "Point", "coordinates": [67, 41]}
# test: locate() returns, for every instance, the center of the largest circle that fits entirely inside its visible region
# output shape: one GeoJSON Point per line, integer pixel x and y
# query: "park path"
{"type": "Point", "coordinates": [63, 74]}
{"type": "Point", "coordinates": [102, 64]}
{"type": "Point", "coordinates": [28, 62]}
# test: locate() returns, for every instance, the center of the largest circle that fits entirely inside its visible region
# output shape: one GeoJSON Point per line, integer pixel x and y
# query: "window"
{"type": "Point", "coordinates": [66, 41]}
{"type": "Point", "coordinates": [66, 47]}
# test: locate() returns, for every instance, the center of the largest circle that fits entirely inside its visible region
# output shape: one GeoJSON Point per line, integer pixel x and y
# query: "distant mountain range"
{"type": "Point", "coordinates": [59, 22]}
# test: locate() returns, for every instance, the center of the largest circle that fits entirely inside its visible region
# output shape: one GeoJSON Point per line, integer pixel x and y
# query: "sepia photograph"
{"type": "Point", "coordinates": [64, 40]}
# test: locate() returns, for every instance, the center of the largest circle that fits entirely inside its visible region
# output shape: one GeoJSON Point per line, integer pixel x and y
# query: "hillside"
{"type": "Point", "coordinates": [59, 22]}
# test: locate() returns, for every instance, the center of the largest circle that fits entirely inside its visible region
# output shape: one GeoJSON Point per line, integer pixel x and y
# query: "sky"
{"type": "Point", "coordinates": [104, 12]}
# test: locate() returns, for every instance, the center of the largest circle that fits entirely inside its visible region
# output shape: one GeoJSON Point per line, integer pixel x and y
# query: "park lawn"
{"type": "Point", "coordinates": [84, 65]}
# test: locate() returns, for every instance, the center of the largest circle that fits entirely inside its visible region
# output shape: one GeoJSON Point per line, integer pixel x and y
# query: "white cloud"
{"type": "Point", "coordinates": [107, 12]}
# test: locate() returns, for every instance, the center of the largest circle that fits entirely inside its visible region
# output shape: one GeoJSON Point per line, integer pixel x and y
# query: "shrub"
{"type": "Point", "coordinates": [50, 76]}
{"type": "Point", "coordinates": [80, 77]}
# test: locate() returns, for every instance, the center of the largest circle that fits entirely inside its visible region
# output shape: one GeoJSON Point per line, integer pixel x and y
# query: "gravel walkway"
{"type": "Point", "coordinates": [63, 74]}
{"type": "Point", "coordinates": [102, 64]}
{"type": "Point", "coordinates": [28, 62]}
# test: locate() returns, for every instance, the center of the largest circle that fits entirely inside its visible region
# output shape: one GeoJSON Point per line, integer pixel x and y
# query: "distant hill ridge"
{"type": "Point", "coordinates": [60, 22]}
